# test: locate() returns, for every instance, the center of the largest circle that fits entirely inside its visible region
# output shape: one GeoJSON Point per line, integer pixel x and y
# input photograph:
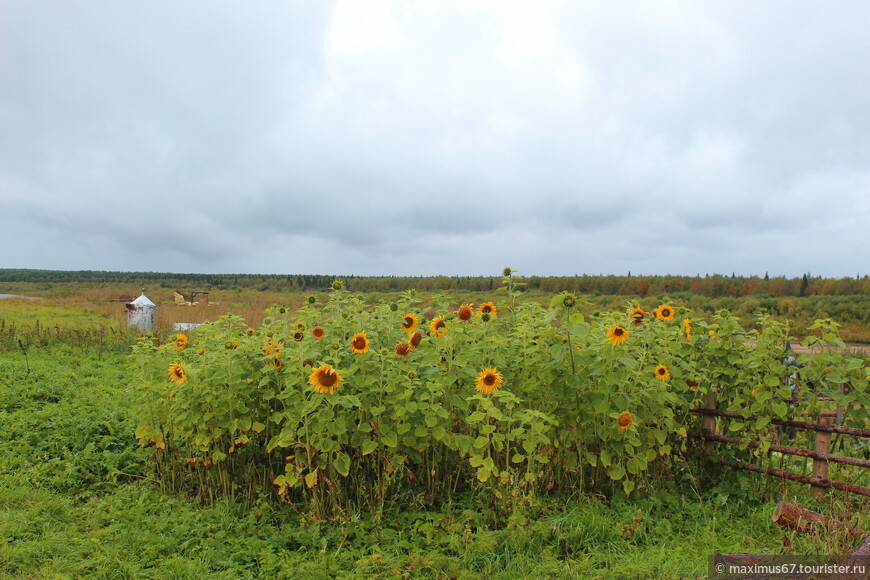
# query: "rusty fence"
{"type": "Point", "coordinates": [820, 454]}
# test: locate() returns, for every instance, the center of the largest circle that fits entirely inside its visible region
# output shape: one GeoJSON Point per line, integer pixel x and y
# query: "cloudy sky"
{"type": "Point", "coordinates": [422, 137]}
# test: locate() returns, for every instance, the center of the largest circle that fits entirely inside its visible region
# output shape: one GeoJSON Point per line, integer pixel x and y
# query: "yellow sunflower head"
{"type": "Point", "coordinates": [487, 308]}
{"type": "Point", "coordinates": [664, 312]}
{"type": "Point", "coordinates": [687, 326]}
{"type": "Point", "coordinates": [231, 344]}
{"type": "Point", "coordinates": [488, 381]}
{"type": "Point", "coordinates": [325, 379]}
{"type": "Point", "coordinates": [176, 373]}
{"type": "Point", "coordinates": [410, 322]}
{"type": "Point", "coordinates": [359, 344]}
{"type": "Point", "coordinates": [402, 349]}
{"type": "Point", "coordinates": [276, 363]}
{"type": "Point", "coordinates": [662, 373]}
{"type": "Point", "coordinates": [624, 421]}
{"type": "Point", "coordinates": [317, 332]}
{"type": "Point", "coordinates": [415, 339]}
{"type": "Point", "coordinates": [180, 341]}
{"type": "Point", "coordinates": [438, 327]}
{"type": "Point", "coordinates": [465, 312]}
{"type": "Point", "coordinates": [616, 335]}
{"type": "Point", "coordinates": [637, 316]}
{"type": "Point", "coordinates": [297, 336]}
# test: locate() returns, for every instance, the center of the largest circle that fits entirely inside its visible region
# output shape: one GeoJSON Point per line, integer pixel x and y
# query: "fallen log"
{"type": "Point", "coordinates": [801, 519]}
{"type": "Point", "coordinates": [863, 548]}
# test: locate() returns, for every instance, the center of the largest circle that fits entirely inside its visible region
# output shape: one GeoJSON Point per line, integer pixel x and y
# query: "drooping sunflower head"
{"type": "Point", "coordinates": [637, 316]}
{"type": "Point", "coordinates": [465, 312]}
{"type": "Point", "coordinates": [487, 308]}
{"type": "Point", "coordinates": [415, 339]}
{"type": "Point", "coordinates": [662, 373]}
{"type": "Point", "coordinates": [403, 349]}
{"type": "Point", "coordinates": [664, 312]}
{"type": "Point", "coordinates": [180, 341]}
{"type": "Point", "coordinates": [624, 421]}
{"type": "Point", "coordinates": [325, 379]}
{"type": "Point", "coordinates": [687, 327]}
{"type": "Point", "coordinates": [359, 344]}
{"type": "Point", "coordinates": [616, 335]}
{"type": "Point", "coordinates": [276, 363]}
{"type": "Point", "coordinates": [410, 322]}
{"type": "Point", "coordinates": [438, 327]}
{"type": "Point", "coordinates": [317, 332]}
{"type": "Point", "coordinates": [488, 381]}
{"type": "Point", "coordinates": [176, 373]}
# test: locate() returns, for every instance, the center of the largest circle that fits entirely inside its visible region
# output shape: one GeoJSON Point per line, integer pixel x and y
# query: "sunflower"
{"type": "Point", "coordinates": [691, 384]}
{"type": "Point", "coordinates": [276, 363]}
{"type": "Point", "coordinates": [687, 326]}
{"type": "Point", "coordinates": [487, 308]}
{"type": "Point", "coordinates": [410, 322]}
{"type": "Point", "coordinates": [664, 312]}
{"type": "Point", "coordinates": [180, 341]}
{"type": "Point", "coordinates": [637, 316]}
{"type": "Point", "coordinates": [231, 344]}
{"type": "Point", "coordinates": [415, 339]}
{"type": "Point", "coordinates": [402, 349]}
{"type": "Point", "coordinates": [317, 332]}
{"type": "Point", "coordinates": [176, 373]}
{"type": "Point", "coordinates": [297, 336]}
{"type": "Point", "coordinates": [359, 343]}
{"type": "Point", "coordinates": [465, 312]}
{"type": "Point", "coordinates": [488, 381]}
{"type": "Point", "coordinates": [437, 327]}
{"type": "Point", "coordinates": [617, 335]}
{"type": "Point", "coordinates": [662, 373]}
{"type": "Point", "coordinates": [300, 326]}
{"type": "Point", "coordinates": [325, 379]}
{"type": "Point", "coordinates": [624, 421]}
{"type": "Point", "coordinates": [568, 301]}
{"type": "Point", "coordinates": [250, 331]}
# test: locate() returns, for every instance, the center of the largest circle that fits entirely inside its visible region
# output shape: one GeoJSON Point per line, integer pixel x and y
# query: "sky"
{"type": "Point", "coordinates": [436, 137]}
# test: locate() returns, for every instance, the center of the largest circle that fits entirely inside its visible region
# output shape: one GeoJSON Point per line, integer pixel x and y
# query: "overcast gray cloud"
{"type": "Point", "coordinates": [420, 137]}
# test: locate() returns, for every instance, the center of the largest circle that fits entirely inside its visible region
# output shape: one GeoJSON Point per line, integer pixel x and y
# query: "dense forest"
{"type": "Point", "coordinates": [709, 285]}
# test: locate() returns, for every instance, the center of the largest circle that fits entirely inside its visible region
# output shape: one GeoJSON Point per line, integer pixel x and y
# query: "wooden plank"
{"type": "Point", "coordinates": [785, 449]}
{"type": "Point", "coordinates": [799, 424]}
{"type": "Point", "coordinates": [856, 489]}
{"type": "Point", "coordinates": [820, 465]}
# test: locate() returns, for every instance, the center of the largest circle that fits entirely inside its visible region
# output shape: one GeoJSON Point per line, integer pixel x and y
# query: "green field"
{"type": "Point", "coordinates": [80, 498]}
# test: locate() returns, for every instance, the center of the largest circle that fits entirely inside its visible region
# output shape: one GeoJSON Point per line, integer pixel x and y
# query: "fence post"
{"type": "Point", "coordinates": [708, 422]}
{"type": "Point", "coordinates": [820, 466]}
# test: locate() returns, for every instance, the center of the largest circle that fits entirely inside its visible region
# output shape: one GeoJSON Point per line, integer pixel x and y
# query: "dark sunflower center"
{"type": "Point", "coordinates": [327, 378]}
{"type": "Point", "coordinates": [489, 380]}
{"type": "Point", "coordinates": [624, 420]}
{"type": "Point", "coordinates": [618, 331]}
{"type": "Point", "coordinates": [440, 324]}
{"type": "Point", "coordinates": [359, 343]}
{"type": "Point", "coordinates": [408, 322]}
{"type": "Point", "coordinates": [666, 313]}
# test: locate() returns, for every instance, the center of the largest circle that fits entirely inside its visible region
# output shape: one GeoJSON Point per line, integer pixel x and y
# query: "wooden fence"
{"type": "Point", "coordinates": [821, 453]}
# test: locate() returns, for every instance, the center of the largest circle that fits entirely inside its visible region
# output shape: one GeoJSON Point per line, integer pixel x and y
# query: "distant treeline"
{"type": "Point", "coordinates": [710, 285]}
